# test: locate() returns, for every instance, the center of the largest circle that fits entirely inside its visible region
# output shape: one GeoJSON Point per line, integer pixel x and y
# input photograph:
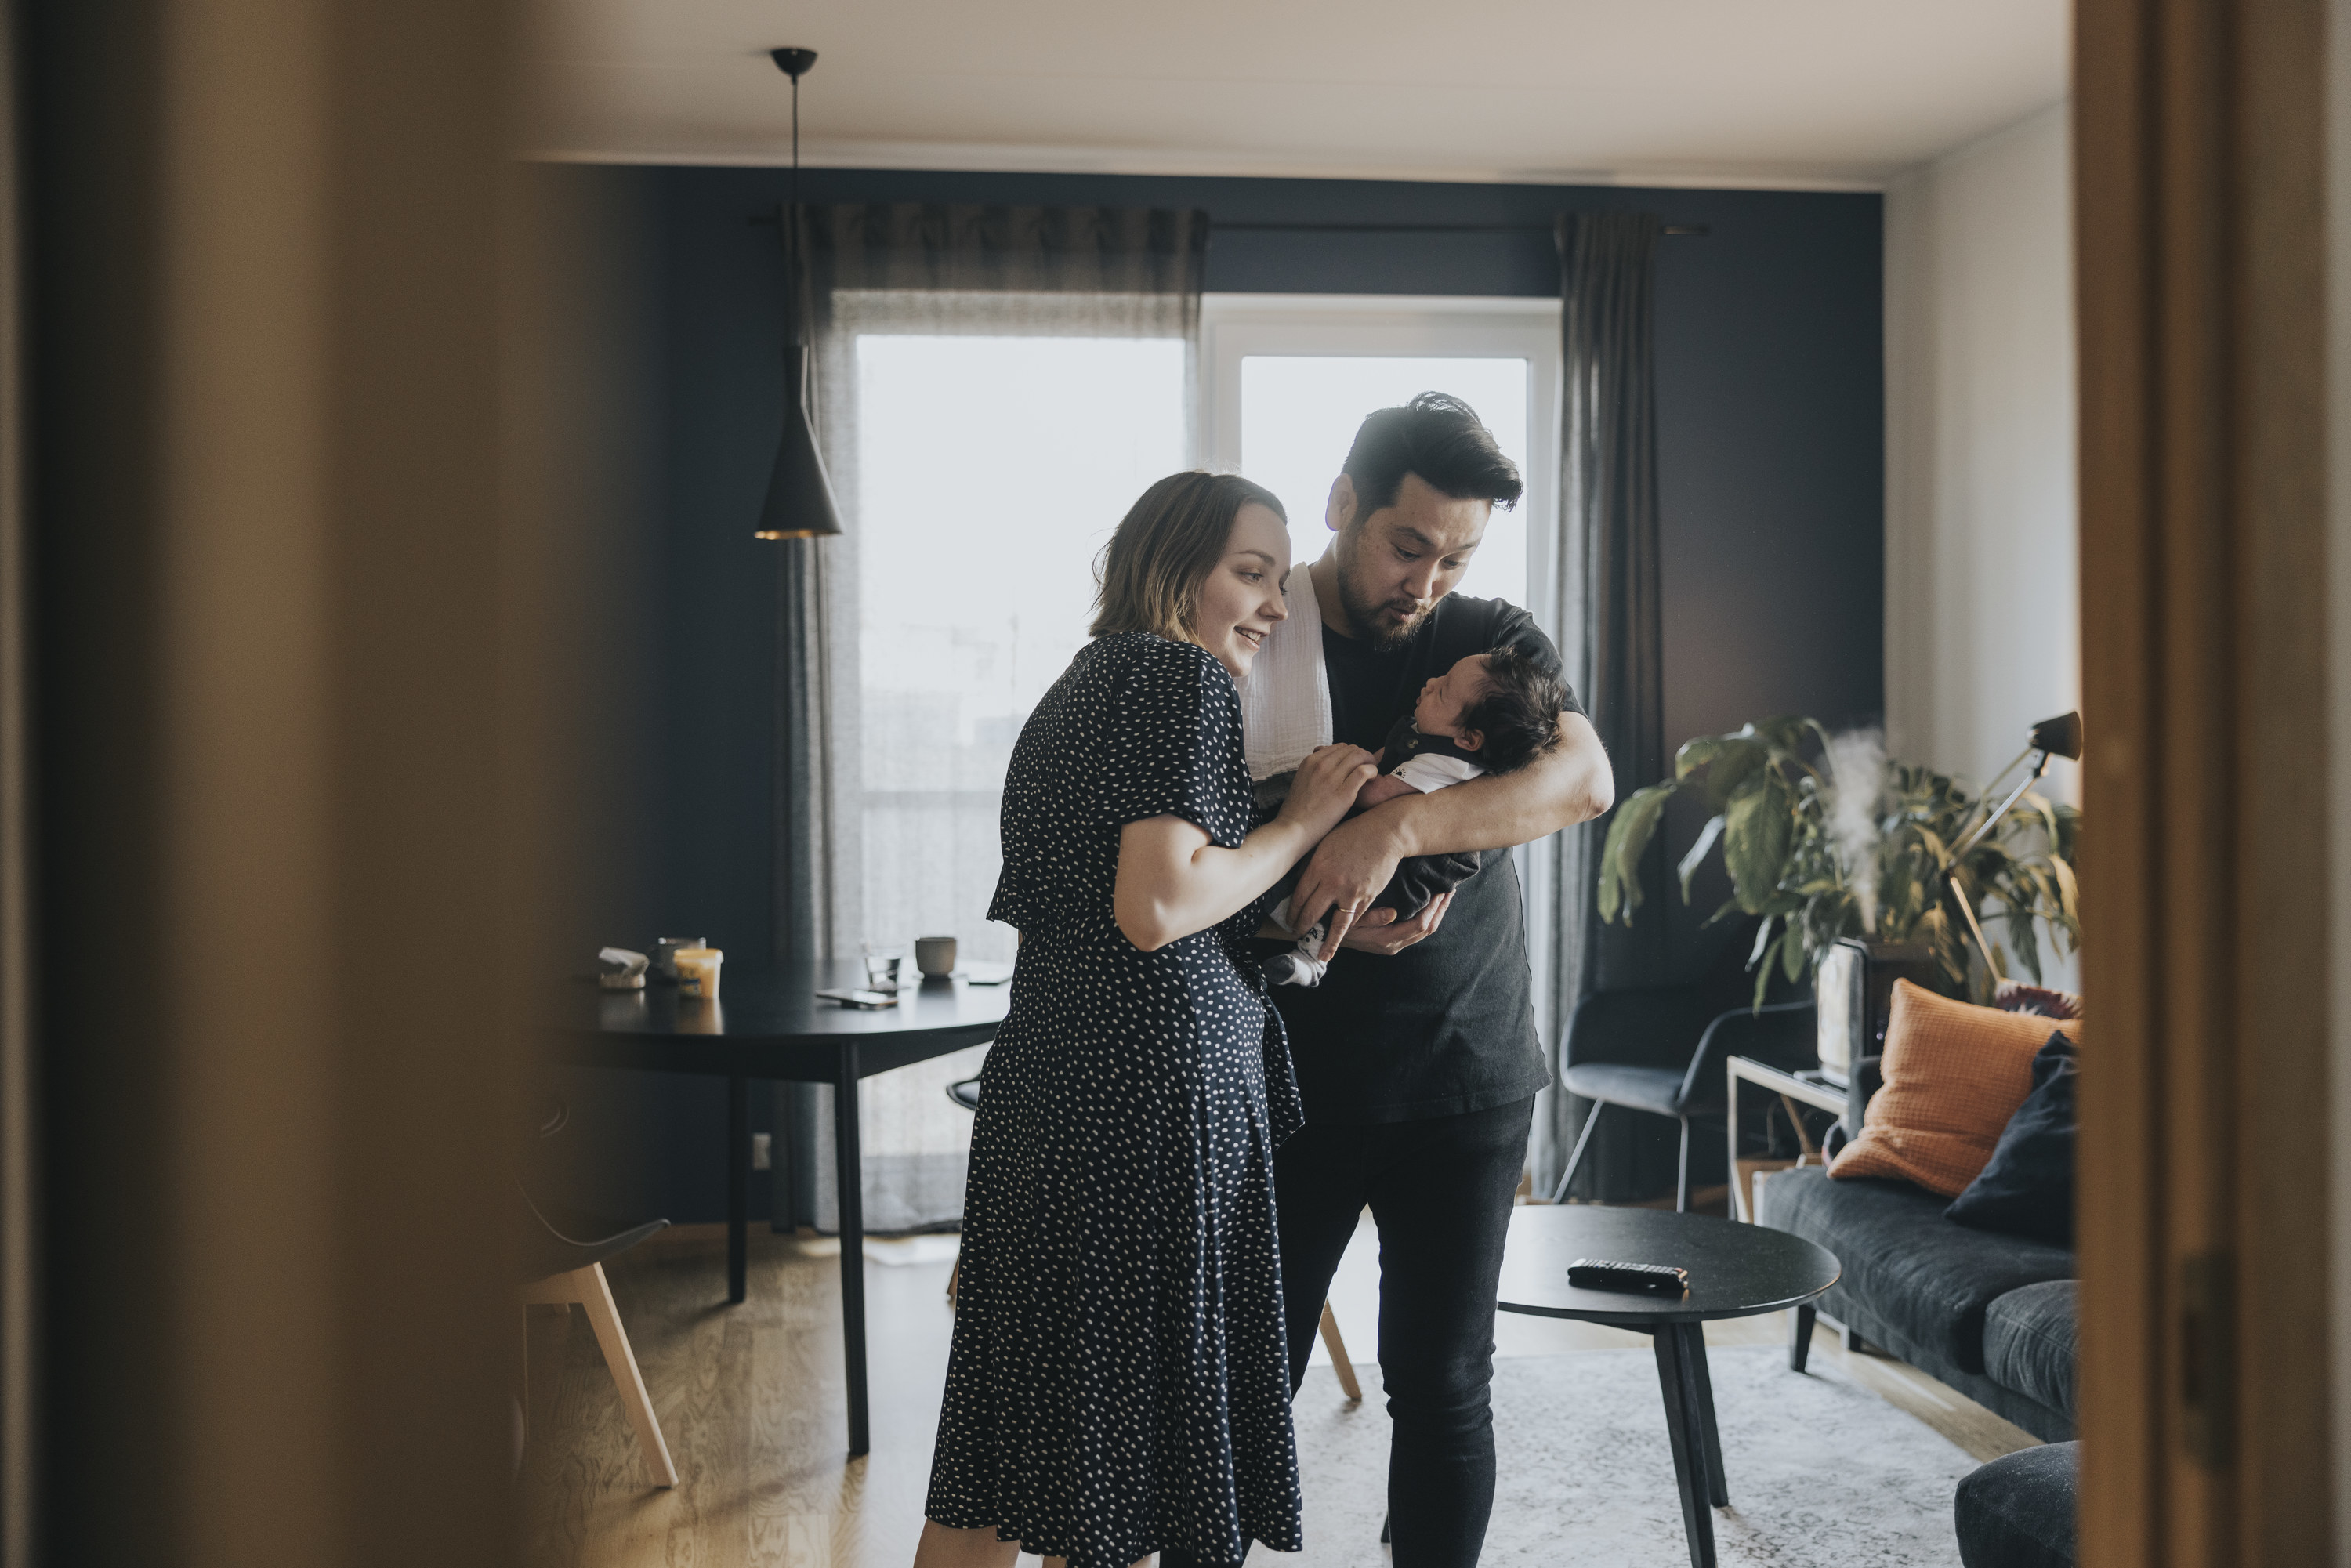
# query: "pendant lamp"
{"type": "Point", "coordinates": [799, 504]}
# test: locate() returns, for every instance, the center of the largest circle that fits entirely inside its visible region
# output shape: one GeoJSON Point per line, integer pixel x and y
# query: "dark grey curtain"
{"type": "Point", "coordinates": [931, 269]}
{"type": "Point", "coordinates": [1610, 617]}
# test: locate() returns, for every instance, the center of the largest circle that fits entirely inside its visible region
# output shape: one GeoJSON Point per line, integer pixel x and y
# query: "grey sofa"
{"type": "Point", "coordinates": [1991, 1315]}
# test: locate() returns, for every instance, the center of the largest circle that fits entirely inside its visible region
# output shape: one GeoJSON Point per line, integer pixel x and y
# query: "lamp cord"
{"type": "Point", "coordinates": [792, 236]}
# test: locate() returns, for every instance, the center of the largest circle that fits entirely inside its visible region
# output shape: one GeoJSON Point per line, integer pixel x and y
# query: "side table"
{"type": "Point", "coordinates": [1791, 1086]}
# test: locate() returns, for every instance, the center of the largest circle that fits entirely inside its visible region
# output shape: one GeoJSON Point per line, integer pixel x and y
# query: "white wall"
{"type": "Point", "coordinates": [1981, 626]}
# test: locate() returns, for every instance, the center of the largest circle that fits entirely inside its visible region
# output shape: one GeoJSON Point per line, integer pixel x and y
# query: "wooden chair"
{"type": "Point", "coordinates": [563, 1261]}
{"type": "Point", "coordinates": [965, 1093]}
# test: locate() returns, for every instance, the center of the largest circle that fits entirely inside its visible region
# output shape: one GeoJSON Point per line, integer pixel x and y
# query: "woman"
{"type": "Point", "coordinates": [1119, 1383]}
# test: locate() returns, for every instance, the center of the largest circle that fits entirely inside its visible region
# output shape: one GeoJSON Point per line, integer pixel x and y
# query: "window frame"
{"type": "Point", "coordinates": [1234, 325]}
{"type": "Point", "coordinates": [1375, 326]}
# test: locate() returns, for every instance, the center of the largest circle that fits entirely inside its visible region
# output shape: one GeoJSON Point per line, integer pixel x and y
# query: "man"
{"type": "Point", "coordinates": [1417, 1056]}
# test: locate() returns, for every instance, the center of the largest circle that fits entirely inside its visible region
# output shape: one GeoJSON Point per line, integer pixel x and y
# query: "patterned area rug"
{"type": "Point", "coordinates": [1821, 1472]}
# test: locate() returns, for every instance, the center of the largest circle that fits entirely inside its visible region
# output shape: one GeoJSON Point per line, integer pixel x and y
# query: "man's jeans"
{"type": "Point", "coordinates": [1441, 1192]}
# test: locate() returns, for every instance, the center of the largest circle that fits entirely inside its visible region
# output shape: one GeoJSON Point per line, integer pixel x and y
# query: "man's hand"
{"type": "Point", "coordinates": [1379, 931]}
{"type": "Point", "coordinates": [1352, 864]}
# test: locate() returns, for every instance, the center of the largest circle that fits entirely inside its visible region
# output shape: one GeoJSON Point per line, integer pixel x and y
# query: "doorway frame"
{"type": "Point", "coordinates": [2205, 1162]}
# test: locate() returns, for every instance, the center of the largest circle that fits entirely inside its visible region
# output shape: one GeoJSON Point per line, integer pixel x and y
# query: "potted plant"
{"type": "Point", "coordinates": [1826, 839]}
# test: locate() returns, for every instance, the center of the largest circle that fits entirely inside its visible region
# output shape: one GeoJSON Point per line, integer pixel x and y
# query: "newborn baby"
{"type": "Point", "coordinates": [1491, 712]}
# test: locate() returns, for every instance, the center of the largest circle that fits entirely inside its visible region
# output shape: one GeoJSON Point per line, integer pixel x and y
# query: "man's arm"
{"type": "Point", "coordinates": [1571, 783]}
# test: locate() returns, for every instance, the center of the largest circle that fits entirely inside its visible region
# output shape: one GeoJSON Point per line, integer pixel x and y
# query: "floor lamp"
{"type": "Point", "coordinates": [2059, 737]}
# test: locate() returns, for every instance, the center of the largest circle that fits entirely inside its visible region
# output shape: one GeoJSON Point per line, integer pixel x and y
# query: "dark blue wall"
{"type": "Point", "coordinates": [1771, 447]}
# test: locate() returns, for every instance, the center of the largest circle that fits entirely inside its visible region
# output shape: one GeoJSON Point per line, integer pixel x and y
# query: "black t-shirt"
{"type": "Point", "coordinates": [1447, 1026]}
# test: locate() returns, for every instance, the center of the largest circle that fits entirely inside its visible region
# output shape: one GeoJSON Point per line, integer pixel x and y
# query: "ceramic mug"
{"type": "Point", "coordinates": [936, 956]}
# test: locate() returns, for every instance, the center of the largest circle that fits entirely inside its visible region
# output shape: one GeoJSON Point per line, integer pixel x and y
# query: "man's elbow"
{"type": "Point", "coordinates": [1598, 791]}
{"type": "Point", "coordinates": [1589, 784]}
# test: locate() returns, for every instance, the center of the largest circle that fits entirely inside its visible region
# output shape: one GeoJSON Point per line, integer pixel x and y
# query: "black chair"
{"type": "Point", "coordinates": [1633, 1049]}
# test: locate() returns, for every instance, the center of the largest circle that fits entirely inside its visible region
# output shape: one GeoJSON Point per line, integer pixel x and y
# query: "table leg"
{"type": "Point", "coordinates": [1689, 1447]}
{"type": "Point", "coordinates": [851, 1181]}
{"type": "Point", "coordinates": [1799, 1335]}
{"type": "Point", "coordinates": [738, 1185]}
{"type": "Point", "coordinates": [1702, 1384]}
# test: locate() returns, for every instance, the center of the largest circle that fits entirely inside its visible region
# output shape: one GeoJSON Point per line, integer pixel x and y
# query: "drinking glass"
{"type": "Point", "coordinates": [882, 962]}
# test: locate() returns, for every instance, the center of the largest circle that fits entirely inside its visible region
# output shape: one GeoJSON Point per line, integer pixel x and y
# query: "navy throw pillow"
{"type": "Point", "coordinates": [2027, 1189]}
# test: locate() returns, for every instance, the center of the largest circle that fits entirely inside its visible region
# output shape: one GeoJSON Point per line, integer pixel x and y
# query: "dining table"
{"type": "Point", "coordinates": [769, 1022]}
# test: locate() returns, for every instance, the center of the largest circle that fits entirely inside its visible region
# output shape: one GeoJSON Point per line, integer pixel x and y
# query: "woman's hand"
{"type": "Point", "coordinates": [1326, 786]}
{"type": "Point", "coordinates": [1173, 881]}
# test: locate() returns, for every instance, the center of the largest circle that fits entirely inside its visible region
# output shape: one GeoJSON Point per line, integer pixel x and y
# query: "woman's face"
{"type": "Point", "coordinates": [1241, 599]}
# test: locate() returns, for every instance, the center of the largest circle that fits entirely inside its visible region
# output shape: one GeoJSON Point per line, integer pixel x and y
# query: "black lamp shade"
{"type": "Point", "coordinates": [799, 493]}
{"type": "Point", "coordinates": [2060, 737]}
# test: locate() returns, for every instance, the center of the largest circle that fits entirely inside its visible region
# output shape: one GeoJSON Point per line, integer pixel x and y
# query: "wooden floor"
{"type": "Point", "coordinates": [751, 1400]}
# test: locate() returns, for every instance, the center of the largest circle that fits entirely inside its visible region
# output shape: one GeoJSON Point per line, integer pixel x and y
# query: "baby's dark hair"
{"type": "Point", "coordinates": [1518, 713]}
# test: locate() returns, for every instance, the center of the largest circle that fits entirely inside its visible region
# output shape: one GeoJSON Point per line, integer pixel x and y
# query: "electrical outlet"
{"type": "Point", "coordinates": [762, 1150]}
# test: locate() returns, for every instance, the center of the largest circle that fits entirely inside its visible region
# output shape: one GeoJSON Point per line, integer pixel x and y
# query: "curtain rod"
{"type": "Point", "coordinates": [1214, 225]}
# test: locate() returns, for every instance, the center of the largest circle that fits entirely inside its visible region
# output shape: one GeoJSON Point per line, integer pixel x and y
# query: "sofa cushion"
{"type": "Point", "coordinates": [1955, 1073]}
{"type": "Point", "coordinates": [2028, 1188]}
{"type": "Point", "coordinates": [2018, 1510]}
{"type": "Point", "coordinates": [2029, 1342]}
{"type": "Point", "coordinates": [1928, 1279]}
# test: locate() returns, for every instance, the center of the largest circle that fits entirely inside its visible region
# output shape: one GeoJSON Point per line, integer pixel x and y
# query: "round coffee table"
{"type": "Point", "coordinates": [1735, 1271]}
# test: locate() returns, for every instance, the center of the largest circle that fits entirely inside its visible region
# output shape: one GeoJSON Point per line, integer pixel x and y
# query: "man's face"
{"type": "Point", "coordinates": [1396, 563]}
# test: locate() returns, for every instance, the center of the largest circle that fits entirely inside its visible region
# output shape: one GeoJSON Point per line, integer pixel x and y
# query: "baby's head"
{"type": "Point", "coordinates": [1503, 706]}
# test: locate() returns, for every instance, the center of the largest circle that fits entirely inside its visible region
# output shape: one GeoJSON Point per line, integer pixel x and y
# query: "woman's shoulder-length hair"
{"type": "Point", "coordinates": [1148, 578]}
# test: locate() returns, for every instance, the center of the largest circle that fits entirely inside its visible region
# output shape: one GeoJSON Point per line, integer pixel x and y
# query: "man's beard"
{"type": "Point", "coordinates": [1364, 616]}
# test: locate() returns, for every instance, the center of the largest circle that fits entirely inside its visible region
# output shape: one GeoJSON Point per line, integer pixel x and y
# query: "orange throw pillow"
{"type": "Point", "coordinates": [1955, 1073]}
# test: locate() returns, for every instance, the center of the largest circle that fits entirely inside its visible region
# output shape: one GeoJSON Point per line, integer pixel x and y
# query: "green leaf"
{"type": "Point", "coordinates": [1791, 956]}
{"type": "Point", "coordinates": [1730, 762]}
{"type": "Point", "coordinates": [2026, 940]}
{"type": "Point", "coordinates": [2069, 893]}
{"type": "Point", "coordinates": [1934, 845]}
{"type": "Point", "coordinates": [1756, 833]}
{"type": "Point", "coordinates": [1691, 861]}
{"type": "Point", "coordinates": [1785, 731]}
{"type": "Point", "coordinates": [1634, 824]}
{"type": "Point", "coordinates": [1701, 750]}
{"type": "Point", "coordinates": [1763, 979]}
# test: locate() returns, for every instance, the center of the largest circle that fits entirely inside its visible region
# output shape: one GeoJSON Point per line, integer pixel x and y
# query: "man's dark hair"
{"type": "Point", "coordinates": [1438, 438]}
{"type": "Point", "coordinates": [1518, 713]}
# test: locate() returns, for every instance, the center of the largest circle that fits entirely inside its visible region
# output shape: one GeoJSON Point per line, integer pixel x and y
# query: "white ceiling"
{"type": "Point", "coordinates": [1762, 92]}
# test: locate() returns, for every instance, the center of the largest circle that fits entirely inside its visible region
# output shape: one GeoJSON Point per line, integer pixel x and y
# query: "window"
{"type": "Point", "coordinates": [990, 471]}
{"type": "Point", "coordinates": [1288, 378]}
{"type": "Point", "coordinates": [996, 441]}
{"type": "Point", "coordinates": [995, 455]}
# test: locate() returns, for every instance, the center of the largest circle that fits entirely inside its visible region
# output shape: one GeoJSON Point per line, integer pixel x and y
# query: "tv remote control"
{"type": "Point", "coordinates": [1646, 1279]}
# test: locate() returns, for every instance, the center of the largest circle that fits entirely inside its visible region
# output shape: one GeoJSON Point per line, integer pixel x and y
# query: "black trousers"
{"type": "Point", "coordinates": [1441, 1192]}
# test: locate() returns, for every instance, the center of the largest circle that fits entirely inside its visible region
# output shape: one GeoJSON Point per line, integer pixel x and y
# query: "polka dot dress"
{"type": "Point", "coordinates": [1118, 1382]}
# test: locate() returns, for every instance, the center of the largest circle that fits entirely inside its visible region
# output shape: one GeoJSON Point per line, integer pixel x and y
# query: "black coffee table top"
{"type": "Point", "coordinates": [1735, 1271]}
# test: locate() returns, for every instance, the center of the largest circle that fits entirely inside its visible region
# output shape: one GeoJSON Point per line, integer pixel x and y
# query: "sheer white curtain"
{"type": "Point", "coordinates": [984, 442]}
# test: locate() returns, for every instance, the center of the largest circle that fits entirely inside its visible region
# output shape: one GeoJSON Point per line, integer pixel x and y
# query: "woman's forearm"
{"type": "Point", "coordinates": [1173, 881]}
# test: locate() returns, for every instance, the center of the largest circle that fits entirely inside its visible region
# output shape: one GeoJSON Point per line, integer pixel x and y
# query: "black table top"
{"type": "Point", "coordinates": [1735, 1271]}
{"type": "Point", "coordinates": [767, 1021]}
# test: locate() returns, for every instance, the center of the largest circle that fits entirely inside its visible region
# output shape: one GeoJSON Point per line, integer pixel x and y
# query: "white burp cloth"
{"type": "Point", "coordinates": [1286, 701]}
